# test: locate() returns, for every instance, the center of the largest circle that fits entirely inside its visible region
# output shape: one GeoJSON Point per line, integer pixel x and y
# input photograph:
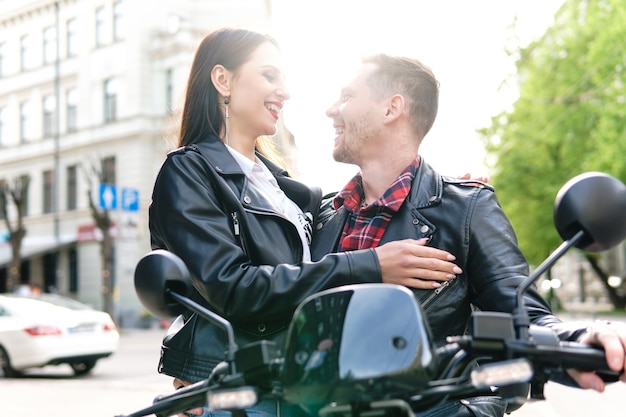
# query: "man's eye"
{"type": "Point", "coordinates": [269, 77]}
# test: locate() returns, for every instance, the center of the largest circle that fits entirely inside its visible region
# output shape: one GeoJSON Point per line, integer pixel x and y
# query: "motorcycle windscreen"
{"type": "Point", "coordinates": [345, 341]}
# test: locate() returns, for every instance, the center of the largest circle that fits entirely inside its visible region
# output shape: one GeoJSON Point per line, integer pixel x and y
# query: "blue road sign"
{"type": "Point", "coordinates": [130, 199]}
{"type": "Point", "coordinates": [108, 197]}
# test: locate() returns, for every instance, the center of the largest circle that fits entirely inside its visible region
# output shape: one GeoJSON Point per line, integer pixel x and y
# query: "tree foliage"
{"type": "Point", "coordinates": [570, 117]}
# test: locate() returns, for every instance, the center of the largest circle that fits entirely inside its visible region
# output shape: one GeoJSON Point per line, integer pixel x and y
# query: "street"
{"type": "Point", "coordinates": [128, 381]}
{"type": "Point", "coordinates": [569, 402]}
{"type": "Point", "coordinates": [120, 384]}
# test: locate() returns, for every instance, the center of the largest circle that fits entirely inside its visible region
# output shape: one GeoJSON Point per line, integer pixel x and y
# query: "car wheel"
{"type": "Point", "coordinates": [5, 365]}
{"type": "Point", "coordinates": [82, 368]}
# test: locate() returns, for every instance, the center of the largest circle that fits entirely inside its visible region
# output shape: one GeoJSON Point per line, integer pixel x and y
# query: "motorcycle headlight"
{"type": "Point", "coordinates": [502, 373]}
{"type": "Point", "coordinates": [228, 399]}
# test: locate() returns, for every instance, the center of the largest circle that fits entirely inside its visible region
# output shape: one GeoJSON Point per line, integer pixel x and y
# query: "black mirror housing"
{"type": "Point", "coordinates": [157, 273]}
{"type": "Point", "coordinates": [595, 203]}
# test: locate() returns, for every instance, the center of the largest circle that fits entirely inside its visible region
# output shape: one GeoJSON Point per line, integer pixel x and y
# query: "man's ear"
{"type": "Point", "coordinates": [221, 78]}
{"type": "Point", "coordinates": [395, 107]}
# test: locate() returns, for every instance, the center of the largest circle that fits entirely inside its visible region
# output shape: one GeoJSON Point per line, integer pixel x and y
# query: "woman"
{"type": "Point", "coordinates": [242, 226]}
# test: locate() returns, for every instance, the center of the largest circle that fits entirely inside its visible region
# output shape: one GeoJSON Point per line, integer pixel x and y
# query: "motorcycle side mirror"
{"type": "Point", "coordinates": [164, 287]}
{"type": "Point", "coordinates": [596, 203]}
{"type": "Point", "coordinates": [157, 274]}
{"type": "Point", "coordinates": [589, 214]}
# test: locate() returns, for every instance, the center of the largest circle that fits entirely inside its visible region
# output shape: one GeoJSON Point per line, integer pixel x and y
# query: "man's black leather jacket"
{"type": "Point", "coordinates": [464, 218]}
{"type": "Point", "coordinates": [245, 258]}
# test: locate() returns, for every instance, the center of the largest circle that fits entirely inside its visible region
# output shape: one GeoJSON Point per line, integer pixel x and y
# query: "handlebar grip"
{"type": "Point", "coordinates": [587, 358]}
{"type": "Point", "coordinates": [181, 400]}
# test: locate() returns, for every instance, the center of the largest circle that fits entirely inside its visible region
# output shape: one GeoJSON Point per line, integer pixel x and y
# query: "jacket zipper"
{"type": "Point", "coordinates": [235, 223]}
{"type": "Point", "coordinates": [434, 294]}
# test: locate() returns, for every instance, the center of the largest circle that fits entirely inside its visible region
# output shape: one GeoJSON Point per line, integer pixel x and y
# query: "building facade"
{"type": "Point", "coordinates": [90, 92]}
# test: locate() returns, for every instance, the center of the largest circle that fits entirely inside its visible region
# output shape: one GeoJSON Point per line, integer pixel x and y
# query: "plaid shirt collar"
{"type": "Point", "coordinates": [352, 194]}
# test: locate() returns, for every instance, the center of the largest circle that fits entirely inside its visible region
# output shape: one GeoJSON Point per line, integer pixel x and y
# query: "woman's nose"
{"type": "Point", "coordinates": [283, 92]}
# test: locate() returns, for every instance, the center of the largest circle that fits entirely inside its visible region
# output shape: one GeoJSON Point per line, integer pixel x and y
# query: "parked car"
{"type": "Point", "coordinates": [36, 333]}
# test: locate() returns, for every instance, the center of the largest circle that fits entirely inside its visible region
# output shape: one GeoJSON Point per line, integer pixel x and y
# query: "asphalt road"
{"type": "Point", "coordinates": [128, 381]}
{"type": "Point", "coordinates": [125, 382]}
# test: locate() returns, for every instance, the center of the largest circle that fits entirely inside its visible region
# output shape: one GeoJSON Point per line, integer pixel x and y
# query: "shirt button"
{"type": "Point", "coordinates": [424, 229]}
{"type": "Point", "coordinates": [416, 222]}
{"type": "Point", "coordinates": [261, 328]}
{"type": "Point", "coordinates": [247, 200]}
{"type": "Point", "coordinates": [319, 226]}
{"type": "Point", "coordinates": [433, 198]}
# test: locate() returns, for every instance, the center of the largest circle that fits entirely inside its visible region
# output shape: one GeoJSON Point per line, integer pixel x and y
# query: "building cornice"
{"type": "Point", "coordinates": [22, 11]}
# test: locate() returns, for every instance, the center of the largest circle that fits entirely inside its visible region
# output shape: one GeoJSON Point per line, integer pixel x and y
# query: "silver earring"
{"type": "Point", "coordinates": [227, 118]}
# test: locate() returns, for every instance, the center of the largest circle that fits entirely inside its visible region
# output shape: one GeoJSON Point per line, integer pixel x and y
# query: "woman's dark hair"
{"type": "Point", "coordinates": [202, 114]}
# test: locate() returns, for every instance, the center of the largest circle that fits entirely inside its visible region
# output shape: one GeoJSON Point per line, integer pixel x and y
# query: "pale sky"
{"type": "Point", "coordinates": [462, 41]}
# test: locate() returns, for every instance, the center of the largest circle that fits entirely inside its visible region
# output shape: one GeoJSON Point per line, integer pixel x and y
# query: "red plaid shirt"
{"type": "Point", "coordinates": [366, 225]}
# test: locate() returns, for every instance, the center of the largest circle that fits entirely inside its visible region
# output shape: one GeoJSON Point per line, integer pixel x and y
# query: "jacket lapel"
{"type": "Point", "coordinates": [326, 235]}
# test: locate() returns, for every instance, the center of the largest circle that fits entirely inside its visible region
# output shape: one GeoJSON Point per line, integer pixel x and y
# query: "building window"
{"type": "Point", "coordinates": [110, 100]}
{"type": "Point", "coordinates": [73, 270]}
{"type": "Point", "coordinates": [50, 261]}
{"type": "Point", "coordinates": [26, 121]}
{"type": "Point", "coordinates": [100, 26]}
{"type": "Point", "coordinates": [108, 170]}
{"type": "Point", "coordinates": [169, 91]}
{"type": "Point", "coordinates": [72, 187]}
{"type": "Point", "coordinates": [119, 20]}
{"type": "Point", "coordinates": [49, 45]}
{"type": "Point", "coordinates": [27, 58]}
{"type": "Point", "coordinates": [1, 60]}
{"type": "Point", "coordinates": [71, 39]}
{"type": "Point", "coordinates": [49, 116]}
{"type": "Point", "coordinates": [23, 185]}
{"type": "Point", "coordinates": [71, 99]}
{"type": "Point", "coordinates": [3, 134]}
{"type": "Point", "coordinates": [3, 188]}
{"type": "Point", "coordinates": [48, 192]}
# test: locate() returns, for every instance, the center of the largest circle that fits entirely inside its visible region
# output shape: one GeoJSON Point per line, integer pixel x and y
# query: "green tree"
{"type": "Point", "coordinates": [569, 118]}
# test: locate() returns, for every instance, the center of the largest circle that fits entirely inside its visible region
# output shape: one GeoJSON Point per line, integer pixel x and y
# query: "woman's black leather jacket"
{"type": "Point", "coordinates": [245, 258]}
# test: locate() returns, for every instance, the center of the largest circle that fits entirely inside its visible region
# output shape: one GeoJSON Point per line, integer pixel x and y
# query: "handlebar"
{"type": "Point", "coordinates": [183, 399]}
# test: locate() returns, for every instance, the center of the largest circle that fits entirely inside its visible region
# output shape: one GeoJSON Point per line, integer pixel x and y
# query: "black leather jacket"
{"type": "Point", "coordinates": [464, 218]}
{"type": "Point", "coordinates": [245, 258]}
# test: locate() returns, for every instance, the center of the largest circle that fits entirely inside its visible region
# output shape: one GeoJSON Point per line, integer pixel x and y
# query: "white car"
{"type": "Point", "coordinates": [36, 333]}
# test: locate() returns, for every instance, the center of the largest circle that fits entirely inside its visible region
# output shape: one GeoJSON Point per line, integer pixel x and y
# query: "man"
{"type": "Point", "coordinates": [380, 120]}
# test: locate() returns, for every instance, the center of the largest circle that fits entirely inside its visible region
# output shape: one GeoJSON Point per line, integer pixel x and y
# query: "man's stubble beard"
{"type": "Point", "coordinates": [355, 135]}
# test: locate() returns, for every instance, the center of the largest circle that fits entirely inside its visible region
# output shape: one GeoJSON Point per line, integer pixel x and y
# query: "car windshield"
{"type": "Point", "coordinates": [62, 301]}
{"type": "Point", "coordinates": [23, 306]}
{"type": "Point", "coordinates": [56, 299]}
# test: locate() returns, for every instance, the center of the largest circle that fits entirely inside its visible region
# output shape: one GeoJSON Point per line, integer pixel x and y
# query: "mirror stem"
{"type": "Point", "coordinates": [213, 318]}
{"type": "Point", "coordinates": [521, 318]}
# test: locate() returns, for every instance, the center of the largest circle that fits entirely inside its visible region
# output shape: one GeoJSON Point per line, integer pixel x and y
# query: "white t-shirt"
{"type": "Point", "coordinates": [264, 182]}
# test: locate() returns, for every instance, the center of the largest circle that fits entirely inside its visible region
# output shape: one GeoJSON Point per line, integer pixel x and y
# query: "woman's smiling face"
{"type": "Point", "coordinates": [257, 94]}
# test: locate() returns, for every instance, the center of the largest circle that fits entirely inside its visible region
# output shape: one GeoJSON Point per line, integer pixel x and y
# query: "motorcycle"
{"type": "Point", "coordinates": [348, 354]}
